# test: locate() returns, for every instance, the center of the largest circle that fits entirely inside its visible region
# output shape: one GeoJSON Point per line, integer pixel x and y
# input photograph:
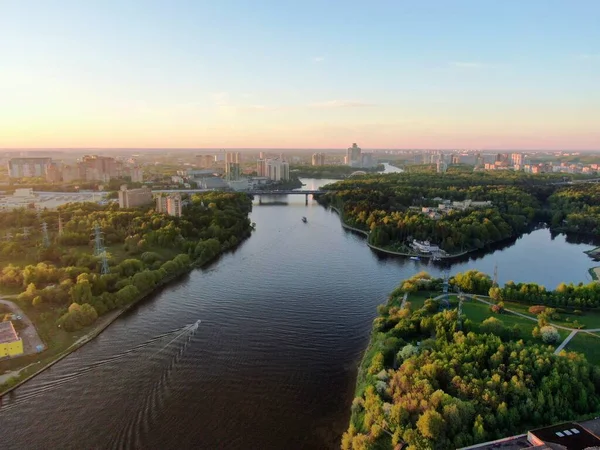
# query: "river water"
{"type": "Point", "coordinates": [271, 365]}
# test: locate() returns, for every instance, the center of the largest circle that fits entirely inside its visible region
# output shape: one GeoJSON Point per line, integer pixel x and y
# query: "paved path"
{"type": "Point", "coordinates": [29, 334]}
{"type": "Point", "coordinates": [563, 344]}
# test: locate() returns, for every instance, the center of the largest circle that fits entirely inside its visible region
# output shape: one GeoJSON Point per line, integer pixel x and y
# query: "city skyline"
{"type": "Point", "coordinates": [233, 75]}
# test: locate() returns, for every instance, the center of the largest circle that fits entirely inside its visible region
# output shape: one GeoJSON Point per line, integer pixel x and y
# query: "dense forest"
{"type": "Point", "coordinates": [62, 275]}
{"type": "Point", "coordinates": [391, 206]}
{"type": "Point", "coordinates": [433, 380]}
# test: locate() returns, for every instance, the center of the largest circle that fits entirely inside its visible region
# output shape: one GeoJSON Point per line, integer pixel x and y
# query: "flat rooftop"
{"type": "Point", "coordinates": [7, 332]}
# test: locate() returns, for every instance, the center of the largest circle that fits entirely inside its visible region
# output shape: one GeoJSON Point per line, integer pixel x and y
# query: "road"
{"type": "Point", "coordinates": [29, 334]}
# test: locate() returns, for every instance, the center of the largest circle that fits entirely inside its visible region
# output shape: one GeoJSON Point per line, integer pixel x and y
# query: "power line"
{"type": "Point", "coordinates": [45, 238]}
{"type": "Point", "coordinates": [100, 250]}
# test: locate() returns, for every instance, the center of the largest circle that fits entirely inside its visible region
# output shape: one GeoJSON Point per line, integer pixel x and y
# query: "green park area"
{"type": "Point", "coordinates": [440, 374]}
{"type": "Point", "coordinates": [74, 269]}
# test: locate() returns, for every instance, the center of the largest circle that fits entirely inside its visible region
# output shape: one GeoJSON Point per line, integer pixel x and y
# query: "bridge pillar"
{"type": "Point", "coordinates": [260, 199]}
{"type": "Point", "coordinates": [306, 199]}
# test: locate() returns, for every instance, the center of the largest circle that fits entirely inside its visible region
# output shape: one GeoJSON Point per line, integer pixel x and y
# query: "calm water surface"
{"type": "Point", "coordinates": [272, 365]}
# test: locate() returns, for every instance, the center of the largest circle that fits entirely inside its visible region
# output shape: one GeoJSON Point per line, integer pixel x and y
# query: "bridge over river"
{"type": "Point", "coordinates": [254, 192]}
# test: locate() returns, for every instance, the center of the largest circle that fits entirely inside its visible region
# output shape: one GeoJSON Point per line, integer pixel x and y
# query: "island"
{"type": "Point", "coordinates": [458, 361]}
{"type": "Point", "coordinates": [69, 272]}
{"type": "Point", "coordinates": [426, 214]}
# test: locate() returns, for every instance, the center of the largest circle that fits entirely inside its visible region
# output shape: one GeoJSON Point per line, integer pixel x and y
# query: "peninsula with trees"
{"type": "Point", "coordinates": [481, 363]}
{"type": "Point", "coordinates": [460, 211]}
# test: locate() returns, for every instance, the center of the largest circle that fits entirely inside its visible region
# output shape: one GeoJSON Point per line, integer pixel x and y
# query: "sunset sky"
{"type": "Point", "coordinates": [511, 74]}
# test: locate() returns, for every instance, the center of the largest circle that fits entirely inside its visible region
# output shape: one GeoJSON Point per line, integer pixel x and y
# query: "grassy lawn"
{"type": "Point", "coordinates": [591, 319]}
{"type": "Point", "coordinates": [588, 345]}
{"type": "Point", "coordinates": [478, 312]}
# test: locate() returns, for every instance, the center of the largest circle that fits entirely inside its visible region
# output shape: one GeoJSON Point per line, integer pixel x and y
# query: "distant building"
{"type": "Point", "coordinates": [367, 160]}
{"type": "Point", "coordinates": [130, 198]}
{"type": "Point", "coordinates": [277, 170]}
{"type": "Point", "coordinates": [516, 159]}
{"type": "Point", "coordinates": [169, 204]}
{"type": "Point", "coordinates": [98, 168]}
{"type": "Point", "coordinates": [424, 247]}
{"type": "Point", "coordinates": [72, 173]}
{"type": "Point", "coordinates": [318, 159]}
{"type": "Point", "coordinates": [441, 166]}
{"type": "Point", "coordinates": [137, 174]}
{"type": "Point", "coordinates": [53, 173]}
{"type": "Point", "coordinates": [10, 343]}
{"type": "Point", "coordinates": [232, 171]}
{"type": "Point", "coordinates": [261, 167]}
{"type": "Point", "coordinates": [353, 155]}
{"type": "Point", "coordinates": [28, 167]}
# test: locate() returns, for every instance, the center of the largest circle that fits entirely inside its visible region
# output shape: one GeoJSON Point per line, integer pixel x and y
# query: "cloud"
{"type": "Point", "coordinates": [339, 104]}
{"type": "Point", "coordinates": [468, 64]}
{"type": "Point", "coordinates": [318, 59]}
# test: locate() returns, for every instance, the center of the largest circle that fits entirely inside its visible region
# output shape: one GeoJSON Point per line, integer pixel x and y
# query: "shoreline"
{"type": "Point", "coordinates": [594, 273]}
{"type": "Point", "coordinates": [99, 328]}
{"type": "Point", "coordinates": [392, 252]}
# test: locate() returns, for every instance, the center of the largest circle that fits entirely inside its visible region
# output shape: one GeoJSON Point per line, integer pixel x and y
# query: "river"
{"type": "Point", "coordinates": [272, 364]}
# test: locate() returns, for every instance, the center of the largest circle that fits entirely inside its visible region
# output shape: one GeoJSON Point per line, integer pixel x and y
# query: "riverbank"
{"type": "Point", "coordinates": [392, 252]}
{"type": "Point", "coordinates": [16, 378]}
{"type": "Point", "coordinates": [595, 273]}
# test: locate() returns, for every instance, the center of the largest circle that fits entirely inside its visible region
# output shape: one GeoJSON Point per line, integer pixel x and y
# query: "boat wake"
{"type": "Point", "coordinates": [179, 337]}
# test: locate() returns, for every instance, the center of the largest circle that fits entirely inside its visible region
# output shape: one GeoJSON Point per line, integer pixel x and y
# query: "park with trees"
{"type": "Point", "coordinates": [58, 278]}
{"type": "Point", "coordinates": [434, 378]}
{"type": "Point", "coordinates": [389, 207]}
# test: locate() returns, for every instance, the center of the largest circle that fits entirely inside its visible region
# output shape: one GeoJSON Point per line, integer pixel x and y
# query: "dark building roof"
{"type": "Point", "coordinates": [569, 435]}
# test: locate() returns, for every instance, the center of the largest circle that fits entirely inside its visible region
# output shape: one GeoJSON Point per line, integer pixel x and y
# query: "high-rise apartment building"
{"type": "Point", "coordinates": [318, 159]}
{"type": "Point", "coordinates": [169, 204]}
{"type": "Point", "coordinates": [98, 168]}
{"type": "Point", "coordinates": [516, 159]}
{"type": "Point", "coordinates": [53, 173]}
{"type": "Point", "coordinates": [137, 174]}
{"type": "Point", "coordinates": [28, 167]}
{"type": "Point", "coordinates": [129, 198]}
{"type": "Point", "coordinates": [353, 155]}
{"type": "Point", "coordinates": [277, 170]}
{"type": "Point", "coordinates": [261, 167]}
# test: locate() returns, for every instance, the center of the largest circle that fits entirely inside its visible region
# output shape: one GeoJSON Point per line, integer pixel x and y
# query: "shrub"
{"type": "Point", "coordinates": [549, 334]}
{"type": "Point", "coordinates": [537, 309]}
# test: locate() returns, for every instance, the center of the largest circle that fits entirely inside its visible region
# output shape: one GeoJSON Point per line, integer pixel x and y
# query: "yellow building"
{"type": "Point", "coordinates": [10, 343]}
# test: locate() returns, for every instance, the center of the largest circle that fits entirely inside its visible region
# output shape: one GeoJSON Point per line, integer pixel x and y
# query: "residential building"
{"type": "Point", "coordinates": [28, 167]}
{"type": "Point", "coordinates": [353, 155]}
{"type": "Point", "coordinates": [261, 168]}
{"type": "Point", "coordinates": [424, 247]}
{"type": "Point", "coordinates": [516, 159]}
{"type": "Point", "coordinates": [130, 198]}
{"type": "Point", "coordinates": [137, 174]}
{"type": "Point", "coordinates": [277, 170]}
{"type": "Point", "coordinates": [72, 173]}
{"type": "Point", "coordinates": [318, 159]}
{"type": "Point", "coordinates": [367, 160]}
{"type": "Point", "coordinates": [53, 173]}
{"type": "Point", "coordinates": [99, 168]}
{"type": "Point", "coordinates": [10, 343]}
{"type": "Point", "coordinates": [169, 204]}
{"type": "Point", "coordinates": [232, 171]}
{"type": "Point", "coordinates": [441, 166]}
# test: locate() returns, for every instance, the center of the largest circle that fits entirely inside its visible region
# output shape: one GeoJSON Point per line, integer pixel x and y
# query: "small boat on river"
{"type": "Point", "coordinates": [415, 258]}
{"type": "Point", "coordinates": [304, 219]}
